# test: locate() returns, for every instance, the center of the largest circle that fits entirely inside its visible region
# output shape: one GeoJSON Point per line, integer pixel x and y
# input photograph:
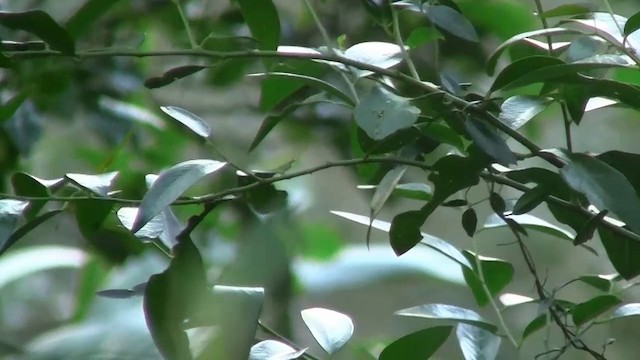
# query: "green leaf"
{"type": "Point", "coordinates": [530, 200]}
{"type": "Point", "coordinates": [601, 282]}
{"type": "Point", "coordinates": [265, 198]}
{"type": "Point", "coordinates": [415, 191]}
{"type": "Point", "coordinates": [625, 163]}
{"type": "Point", "coordinates": [422, 35]}
{"type": "Point", "coordinates": [477, 343]}
{"type": "Point", "coordinates": [25, 229]}
{"type": "Point", "coordinates": [536, 324]}
{"type": "Point", "coordinates": [623, 253]}
{"type": "Point", "coordinates": [418, 345]}
{"type": "Point", "coordinates": [172, 75]}
{"type": "Point", "coordinates": [517, 110]}
{"type": "Point", "coordinates": [450, 313]}
{"type": "Point", "coordinates": [330, 328]}
{"type": "Point", "coordinates": [310, 81]}
{"type": "Point", "coordinates": [12, 105]}
{"type": "Point", "coordinates": [170, 184]}
{"type": "Point", "coordinates": [604, 186]}
{"type": "Point", "coordinates": [99, 184]}
{"type": "Point", "coordinates": [29, 185]}
{"type": "Point", "coordinates": [272, 349]}
{"type": "Point", "coordinates": [10, 212]}
{"type": "Point", "coordinates": [496, 273]}
{"type": "Point", "coordinates": [608, 27]}
{"type": "Point", "coordinates": [586, 233]}
{"type": "Point", "coordinates": [262, 18]}
{"type": "Point", "coordinates": [451, 21]}
{"type": "Point", "coordinates": [493, 59]}
{"type": "Point", "coordinates": [591, 309]}
{"type": "Point", "coordinates": [386, 187]}
{"type": "Point", "coordinates": [489, 142]}
{"type": "Point", "coordinates": [380, 54]}
{"type": "Point", "coordinates": [632, 24]}
{"type": "Point", "coordinates": [442, 134]}
{"type": "Point", "coordinates": [404, 233]}
{"type": "Point", "coordinates": [379, 10]}
{"type": "Point", "coordinates": [188, 119]}
{"type": "Point", "coordinates": [88, 14]}
{"type": "Point", "coordinates": [455, 203]}
{"type": "Point", "coordinates": [569, 10]}
{"type": "Point", "coordinates": [469, 221]}
{"type": "Point", "coordinates": [27, 261]}
{"type": "Point", "coordinates": [381, 113]}
{"type": "Point", "coordinates": [150, 230]}
{"type": "Point", "coordinates": [41, 25]}
{"type": "Point", "coordinates": [625, 310]}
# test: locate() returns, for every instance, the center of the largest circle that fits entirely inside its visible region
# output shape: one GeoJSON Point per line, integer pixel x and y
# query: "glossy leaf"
{"type": "Point", "coordinates": [150, 230]}
{"type": "Point", "coordinates": [625, 310]}
{"type": "Point", "coordinates": [589, 310]}
{"type": "Point", "coordinates": [24, 229]}
{"type": "Point", "coordinates": [622, 252]}
{"type": "Point", "coordinates": [511, 299]}
{"type": "Point", "coordinates": [600, 282]}
{"type": "Point", "coordinates": [381, 113]}
{"type": "Point", "coordinates": [608, 27]}
{"type": "Point", "coordinates": [530, 200]}
{"type": "Point", "coordinates": [534, 325]}
{"type": "Point", "coordinates": [632, 24]}
{"type": "Point", "coordinates": [490, 142]}
{"type": "Point", "coordinates": [172, 75]}
{"type": "Point", "coordinates": [386, 187]}
{"type": "Point", "coordinates": [604, 186]}
{"type": "Point", "coordinates": [530, 222]}
{"type": "Point", "coordinates": [192, 121]}
{"type": "Point", "coordinates": [469, 221]}
{"type": "Point", "coordinates": [99, 184]}
{"type": "Point", "coordinates": [87, 15]}
{"type": "Point", "coordinates": [330, 328]}
{"type": "Point", "coordinates": [450, 313]}
{"type": "Point", "coordinates": [477, 343]}
{"type": "Point", "coordinates": [517, 110]}
{"type": "Point", "coordinates": [496, 273]}
{"type": "Point", "coordinates": [451, 21]}
{"type": "Point", "coordinates": [272, 349]}
{"type": "Point", "coordinates": [415, 191]}
{"type": "Point", "coordinates": [311, 81]}
{"type": "Point", "coordinates": [381, 54]}
{"type": "Point", "coordinates": [170, 185]}
{"type": "Point", "coordinates": [262, 19]}
{"type": "Point", "coordinates": [418, 345]}
{"type": "Point", "coordinates": [41, 25]}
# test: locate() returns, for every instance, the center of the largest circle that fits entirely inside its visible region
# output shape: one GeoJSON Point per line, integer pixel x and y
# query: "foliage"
{"type": "Point", "coordinates": [397, 114]}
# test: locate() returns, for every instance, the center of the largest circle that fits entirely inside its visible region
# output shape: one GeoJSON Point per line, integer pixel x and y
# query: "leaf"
{"type": "Point", "coordinates": [135, 291]}
{"type": "Point", "coordinates": [448, 312]}
{"type": "Point", "coordinates": [188, 119]}
{"type": "Point", "coordinates": [24, 229]}
{"type": "Point", "coordinates": [422, 35]}
{"type": "Point", "coordinates": [262, 18]}
{"type": "Point", "coordinates": [30, 260]}
{"type": "Point", "coordinates": [24, 127]}
{"type": "Point", "coordinates": [530, 222]}
{"type": "Point", "coordinates": [265, 198]}
{"type": "Point", "coordinates": [381, 113]}
{"type": "Point", "coordinates": [28, 185]}
{"type": "Point", "coordinates": [493, 59]}
{"type": "Point", "coordinates": [608, 27]}
{"type": "Point", "coordinates": [10, 212]}
{"type": "Point", "coordinates": [12, 105]}
{"type": "Point", "coordinates": [41, 25]}
{"type": "Point", "coordinates": [386, 187]}
{"type": "Point", "coordinates": [622, 252]}
{"type": "Point", "coordinates": [331, 329]}
{"type": "Point", "coordinates": [534, 325]}
{"type": "Point", "coordinates": [601, 282]}
{"type": "Point", "coordinates": [170, 185]}
{"type": "Point", "coordinates": [496, 273]}
{"type": "Point", "coordinates": [172, 75]}
{"type": "Point", "coordinates": [530, 200]}
{"type": "Point", "coordinates": [88, 14]}
{"type": "Point", "coordinates": [589, 310]}
{"type": "Point", "coordinates": [380, 54]}
{"type": "Point", "coordinates": [477, 343]}
{"type": "Point", "coordinates": [452, 21]}
{"type": "Point", "coordinates": [625, 310]}
{"type": "Point", "coordinates": [415, 191]}
{"type": "Point", "coordinates": [311, 81]}
{"type": "Point", "coordinates": [274, 350]}
{"type": "Point", "coordinates": [469, 221]}
{"type": "Point", "coordinates": [99, 184]}
{"type": "Point", "coordinates": [418, 345]}
{"type": "Point", "coordinates": [569, 10]}
{"type": "Point", "coordinates": [517, 110]}
{"type": "Point", "coordinates": [604, 186]}
{"type": "Point", "coordinates": [586, 233]}
{"type": "Point", "coordinates": [511, 299]}
{"type": "Point", "coordinates": [150, 230]}
{"type": "Point", "coordinates": [632, 24]}
{"type": "Point", "coordinates": [442, 134]}
{"type": "Point", "coordinates": [489, 141]}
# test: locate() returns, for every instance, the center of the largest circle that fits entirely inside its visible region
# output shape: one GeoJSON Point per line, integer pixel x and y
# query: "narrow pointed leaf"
{"type": "Point", "coordinates": [98, 184]}
{"type": "Point", "coordinates": [448, 312]}
{"type": "Point", "coordinates": [25, 229]}
{"type": "Point", "coordinates": [188, 119]}
{"type": "Point", "coordinates": [311, 81]}
{"type": "Point", "coordinates": [490, 142]}
{"type": "Point", "coordinates": [419, 345]}
{"type": "Point", "coordinates": [496, 273]}
{"type": "Point", "coordinates": [261, 16]}
{"type": "Point", "coordinates": [41, 25]}
{"type": "Point", "coordinates": [170, 185]}
{"type": "Point", "coordinates": [600, 282]}
{"type": "Point", "coordinates": [386, 188]}
{"type": "Point", "coordinates": [517, 110]}
{"type": "Point", "coordinates": [477, 343]}
{"type": "Point", "coordinates": [415, 191]}
{"type": "Point", "coordinates": [589, 310]}
{"type": "Point", "coordinates": [330, 328]}
{"type": "Point", "coordinates": [530, 200]}
{"type": "Point", "coordinates": [452, 21]}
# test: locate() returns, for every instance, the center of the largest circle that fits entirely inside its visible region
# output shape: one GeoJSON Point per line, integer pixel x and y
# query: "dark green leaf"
{"type": "Point", "coordinates": [90, 215]}
{"type": "Point", "coordinates": [88, 14]}
{"type": "Point", "coordinates": [632, 24]}
{"type": "Point", "coordinates": [269, 123]}
{"type": "Point", "coordinates": [415, 191]}
{"type": "Point", "coordinates": [535, 325]}
{"type": "Point", "coordinates": [604, 186]}
{"type": "Point", "coordinates": [311, 81]}
{"type": "Point", "coordinates": [496, 273]}
{"type": "Point", "coordinates": [405, 230]}
{"type": "Point", "coordinates": [170, 185]}
{"type": "Point", "coordinates": [600, 282]}
{"type": "Point", "coordinates": [497, 203]}
{"type": "Point", "coordinates": [172, 75]}
{"type": "Point", "coordinates": [490, 142]}
{"type": "Point", "coordinates": [262, 19]}
{"type": "Point", "coordinates": [98, 184]}
{"type": "Point", "coordinates": [331, 329]}
{"type": "Point", "coordinates": [517, 110]}
{"type": "Point", "coordinates": [422, 35]}
{"type": "Point", "coordinates": [530, 200]}
{"type": "Point", "coordinates": [25, 229]}
{"type": "Point", "coordinates": [455, 203]}
{"type": "Point", "coordinates": [381, 113]}
{"type": "Point", "coordinates": [188, 119]}
{"type": "Point", "coordinates": [586, 233]}
{"type": "Point", "coordinates": [591, 309]}
{"type": "Point", "coordinates": [625, 163]}
{"type": "Point", "coordinates": [28, 185]}
{"type": "Point", "coordinates": [442, 134]}
{"type": "Point", "coordinates": [11, 106]}
{"type": "Point", "coordinates": [24, 127]}
{"type": "Point", "coordinates": [477, 343]}
{"type": "Point", "coordinates": [451, 21]}
{"type": "Point", "coordinates": [41, 25]}
{"type": "Point", "coordinates": [569, 10]}
{"type": "Point", "coordinates": [622, 252]}
{"type": "Point", "coordinates": [469, 221]}
{"type": "Point", "coordinates": [380, 10]}
{"type": "Point", "coordinates": [419, 345]}
{"type": "Point", "coordinates": [448, 312]}
{"type": "Point", "coordinates": [135, 291]}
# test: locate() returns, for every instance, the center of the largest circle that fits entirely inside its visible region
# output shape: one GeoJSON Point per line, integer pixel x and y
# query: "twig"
{"type": "Point", "coordinates": [400, 42]}
{"type": "Point", "coordinates": [187, 27]}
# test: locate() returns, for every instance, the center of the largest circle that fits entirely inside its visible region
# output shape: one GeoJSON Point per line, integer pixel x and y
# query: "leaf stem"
{"type": "Point", "coordinates": [400, 42]}
{"type": "Point", "coordinates": [567, 126]}
{"type": "Point", "coordinates": [187, 27]}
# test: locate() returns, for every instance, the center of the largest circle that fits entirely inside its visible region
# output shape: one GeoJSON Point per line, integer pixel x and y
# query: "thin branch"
{"type": "Point", "coordinates": [187, 27]}
{"type": "Point", "coordinates": [400, 42]}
